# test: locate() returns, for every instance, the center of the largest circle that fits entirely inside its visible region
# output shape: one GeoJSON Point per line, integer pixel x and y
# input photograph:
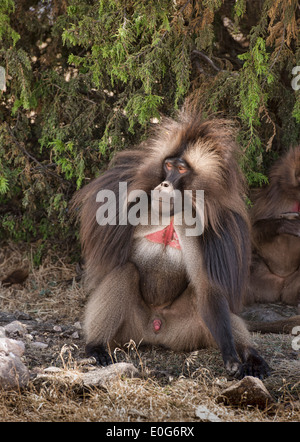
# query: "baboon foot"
{"type": "Point", "coordinates": [100, 353]}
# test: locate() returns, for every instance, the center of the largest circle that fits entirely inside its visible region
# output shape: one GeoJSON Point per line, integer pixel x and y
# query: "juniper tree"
{"type": "Point", "coordinates": [84, 79]}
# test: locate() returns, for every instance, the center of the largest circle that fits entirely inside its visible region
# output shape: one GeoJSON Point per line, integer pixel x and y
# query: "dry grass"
{"type": "Point", "coordinates": [50, 290]}
{"type": "Point", "coordinates": [172, 385]}
{"type": "Point", "coordinates": [147, 399]}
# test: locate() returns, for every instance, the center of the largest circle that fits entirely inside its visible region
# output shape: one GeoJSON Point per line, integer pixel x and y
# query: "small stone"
{"type": "Point", "coordinates": [13, 373]}
{"type": "Point", "coordinates": [53, 370]}
{"type": "Point", "coordinates": [78, 325]}
{"type": "Point", "coordinates": [12, 346]}
{"type": "Point", "coordinates": [203, 413]}
{"type": "Point", "coordinates": [248, 391]}
{"type": "Point", "coordinates": [57, 328]}
{"type": "Point", "coordinates": [75, 335]}
{"type": "Point", "coordinates": [16, 328]}
{"type": "Point", "coordinates": [39, 345]}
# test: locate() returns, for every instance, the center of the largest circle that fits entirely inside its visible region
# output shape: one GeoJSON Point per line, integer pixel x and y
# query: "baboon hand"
{"type": "Point", "coordinates": [290, 215]}
{"type": "Point", "coordinates": [234, 368]}
{"type": "Point", "coordinates": [290, 226]}
{"type": "Point", "coordinates": [255, 366]}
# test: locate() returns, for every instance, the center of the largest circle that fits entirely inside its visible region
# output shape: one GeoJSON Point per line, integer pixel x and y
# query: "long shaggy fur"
{"type": "Point", "coordinates": [275, 271]}
{"type": "Point", "coordinates": [209, 149]}
{"type": "Point", "coordinates": [283, 189]}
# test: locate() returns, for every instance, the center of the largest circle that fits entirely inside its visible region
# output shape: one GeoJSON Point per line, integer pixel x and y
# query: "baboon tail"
{"type": "Point", "coordinates": [281, 326]}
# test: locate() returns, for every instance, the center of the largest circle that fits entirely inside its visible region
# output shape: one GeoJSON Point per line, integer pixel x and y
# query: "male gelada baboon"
{"type": "Point", "coordinates": [165, 284]}
{"type": "Point", "coordinates": [275, 269]}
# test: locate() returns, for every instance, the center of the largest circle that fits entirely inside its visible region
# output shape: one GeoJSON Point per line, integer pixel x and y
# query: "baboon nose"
{"type": "Point", "coordinates": [165, 184]}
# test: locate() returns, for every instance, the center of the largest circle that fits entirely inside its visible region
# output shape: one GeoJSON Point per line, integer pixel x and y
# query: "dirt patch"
{"type": "Point", "coordinates": [171, 386]}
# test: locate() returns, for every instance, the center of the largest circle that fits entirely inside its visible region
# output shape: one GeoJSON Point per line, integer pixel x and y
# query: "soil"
{"type": "Point", "coordinates": [50, 301]}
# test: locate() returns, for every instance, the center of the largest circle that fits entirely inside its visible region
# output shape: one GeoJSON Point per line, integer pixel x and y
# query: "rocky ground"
{"type": "Point", "coordinates": [40, 332]}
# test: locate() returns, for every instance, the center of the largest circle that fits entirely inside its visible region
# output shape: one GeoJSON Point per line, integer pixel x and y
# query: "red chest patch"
{"type": "Point", "coordinates": [166, 236]}
{"type": "Point", "coordinates": [296, 207]}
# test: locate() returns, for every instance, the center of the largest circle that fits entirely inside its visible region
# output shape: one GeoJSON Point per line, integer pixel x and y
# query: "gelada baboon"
{"type": "Point", "coordinates": [275, 269]}
{"type": "Point", "coordinates": [164, 284]}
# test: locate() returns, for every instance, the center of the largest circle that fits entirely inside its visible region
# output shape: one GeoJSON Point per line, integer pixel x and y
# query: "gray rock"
{"type": "Point", "coordinates": [13, 373]}
{"type": "Point", "coordinates": [248, 391]}
{"type": "Point", "coordinates": [78, 381]}
{"type": "Point", "coordinates": [12, 346]}
{"type": "Point", "coordinates": [203, 413]}
{"type": "Point", "coordinates": [100, 377]}
{"type": "Point", "coordinates": [39, 345]}
{"type": "Point", "coordinates": [57, 328]}
{"type": "Point", "coordinates": [16, 328]}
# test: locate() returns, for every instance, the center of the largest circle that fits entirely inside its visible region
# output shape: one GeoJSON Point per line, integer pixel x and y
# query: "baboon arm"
{"type": "Point", "coordinates": [214, 310]}
{"type": "Point", "coordinates": [266, 229]}
{"type": "Point", "coordinates": [211, 303]}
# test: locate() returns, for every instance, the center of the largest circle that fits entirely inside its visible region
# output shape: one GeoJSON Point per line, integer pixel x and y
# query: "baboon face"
{"type": "Point", "coordinates": [167, 194]}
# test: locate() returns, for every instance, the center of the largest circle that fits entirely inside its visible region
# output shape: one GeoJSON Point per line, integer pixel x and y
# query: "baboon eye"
{"type": "Point", "coordinates": [169, 166]}
{"type": "Point", "coordinates": [182, 169]}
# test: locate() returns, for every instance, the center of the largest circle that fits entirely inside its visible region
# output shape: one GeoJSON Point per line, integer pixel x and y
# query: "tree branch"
{"type": "Point", "coordinates": [42, 166]}
{"type": "Point", "coordinates": [208, 60]}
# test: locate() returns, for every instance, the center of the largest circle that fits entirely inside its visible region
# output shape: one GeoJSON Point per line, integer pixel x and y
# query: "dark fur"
{"type": "Point", "coordinates": [228, 266]}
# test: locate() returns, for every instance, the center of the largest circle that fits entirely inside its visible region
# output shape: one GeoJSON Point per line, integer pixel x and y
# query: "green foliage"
{"type": "Point", "coordinates": [3, 184]}
{"type": "Point", "coordinates": [7, 33]}
{"type": "Point", "coordinates": [252, 96]}
{"type": "Point", "coordinates": [84, 79]}
{"type": "Point", "coordinates": [142, 108]}
{"type": "Point", "coordinates": [296, 110]}
{"type": "Point", "coordinates": [240, 8]}
{"type": "Point", "coordinates": [66, 157]}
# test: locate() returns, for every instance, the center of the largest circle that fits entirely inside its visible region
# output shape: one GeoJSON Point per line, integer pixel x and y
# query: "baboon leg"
{"type": "Point", "coordinates": [264, 286]}
{"type": "Point", "coordinates": [253, 363]}
{"type": "Point", "coordinates": [188, 327]}
{"type": "Point", "coordinates": [111, 304]}
{"type": "Point", "coordinates": [291, 291]}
